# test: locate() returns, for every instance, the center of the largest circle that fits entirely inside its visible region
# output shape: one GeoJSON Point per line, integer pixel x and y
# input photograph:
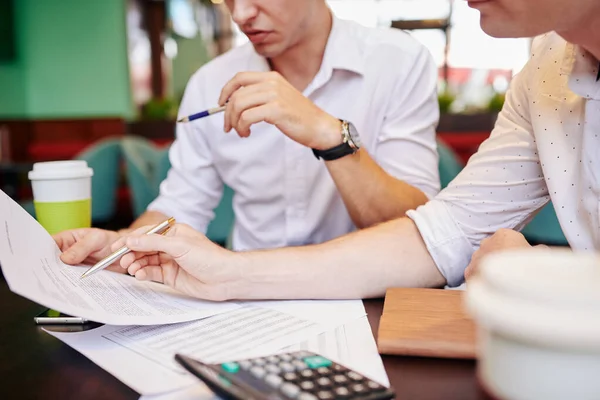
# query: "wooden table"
{"type": "Point", "coordinates": [34, 365]}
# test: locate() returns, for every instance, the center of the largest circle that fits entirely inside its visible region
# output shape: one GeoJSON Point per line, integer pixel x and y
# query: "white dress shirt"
{"type": "Point", "coordinates": [546, 145]}
{"type": "Point", "coordinates": [381, 80]}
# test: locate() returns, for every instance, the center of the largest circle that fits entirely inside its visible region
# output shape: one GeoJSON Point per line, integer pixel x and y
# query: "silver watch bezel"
{"type": "Point", "coordinates": [353, 140]}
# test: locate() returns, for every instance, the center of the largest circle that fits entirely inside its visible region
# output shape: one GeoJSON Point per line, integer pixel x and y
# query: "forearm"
{"type": "Point", "coordinates": [370, 194]}
{"type": "Point", "coordinates": [360, 265]}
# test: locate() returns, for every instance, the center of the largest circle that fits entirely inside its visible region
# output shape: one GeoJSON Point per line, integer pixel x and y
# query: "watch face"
{"type": "Point", "coordinates": [354, 135]}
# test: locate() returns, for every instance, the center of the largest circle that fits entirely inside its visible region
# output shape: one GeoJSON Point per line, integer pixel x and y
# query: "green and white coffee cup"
{"type": "Point", "coordinates": [62, 194]}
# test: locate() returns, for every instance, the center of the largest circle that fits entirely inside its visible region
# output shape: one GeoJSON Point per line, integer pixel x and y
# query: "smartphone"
{"type": "Point", "coordinates": [56, 317]}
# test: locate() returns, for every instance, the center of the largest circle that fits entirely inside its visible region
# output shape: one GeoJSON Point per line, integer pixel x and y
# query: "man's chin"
{"type": "Point", "coordinates": [267, 51]}
{"type": "Point", "coordinates": [506, 29]}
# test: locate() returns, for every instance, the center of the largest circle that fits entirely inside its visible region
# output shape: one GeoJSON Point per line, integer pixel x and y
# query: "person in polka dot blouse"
{"type": "Point", "coordinates": [546, 145]}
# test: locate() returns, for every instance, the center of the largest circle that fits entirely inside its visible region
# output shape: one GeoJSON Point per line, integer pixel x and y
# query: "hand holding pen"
{"type": "Point", "coordinates": [159, 229]}
{"type": "Point", "coordinates": [253, 97]}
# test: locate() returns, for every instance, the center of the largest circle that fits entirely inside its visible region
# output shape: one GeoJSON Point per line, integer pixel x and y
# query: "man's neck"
{"type": "Point", "coordinates": [300, 63]}
{"type": "Point", "coordinates": [586, 35]}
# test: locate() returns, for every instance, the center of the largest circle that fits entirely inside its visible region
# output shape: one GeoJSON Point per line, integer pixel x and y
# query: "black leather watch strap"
{"type": "Point", "coordinates": [334, 153]}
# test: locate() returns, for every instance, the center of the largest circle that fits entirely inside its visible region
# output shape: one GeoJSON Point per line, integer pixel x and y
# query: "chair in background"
{"type": "Point", "coordinates": [545, 229]}
{"type": "Point", "coordinates": [104, 157]}
{"type": "Point", "coordinates": [449, 164]}
{"type": "Point", "coordinates": [219, 229]}
{"type": "Point", "coordinates": [142, 167]}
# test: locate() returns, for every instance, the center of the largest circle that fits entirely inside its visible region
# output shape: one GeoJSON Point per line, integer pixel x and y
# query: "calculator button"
{"type": "Point", "coordinates": [273, 359]}
{"type": "Point", "coordinates": [340, 379]}
{"type": "Point", "coordinates": [258, 372]}
{"type": "Point", "coordinates": [307, 373]}
{"type": "Point", "coordinates": [316, 362]}
{"type": "Point", "coordinates": [325, 395]}
{"type": "Point", "coordinates": [245, 364]}
{"type": "Point", "coordinates": [307, 385]}
{"type": "Point", "coordinates": [323, 371]}
{"type": "Point", "coordinates": [299, 365]}
{"type": "Point", "coordinates": [342, 392]}
{"type": "Point", "coordinates": [274, 369]}
{"type": "Point", "coordinates": [274, 380]}
{"type": "Point", "coordinates": [307, 396]}
{"type": "Point", "coordinates": [354, 376]}
{"type": "Point", "coordinates": [231, 367]}
{"type": "Point", "coordinates": [338, 368]}
{"type": "Point", "coordinates": [259, 361]}
{"type": "Point", "coordinates": [287, 367]}
{"type": "Point", "coordinates": [290, 376]}
{"type": "Point", "coordinates": [359, 388]}
{"type": "Point", "coordinates": [285, 357]}
{"type": "Point", "coordinates": [374, 386]}
{"type": "Point", "coordinates": [324, 382]}
{"type": "Point", "coordinates": [290, 390]}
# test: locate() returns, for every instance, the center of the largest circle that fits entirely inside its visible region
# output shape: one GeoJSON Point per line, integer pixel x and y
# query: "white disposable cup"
{"type": "Point", "coordinates": [538, 313]}
{"type": "Point", "coordinates": [62, 194]}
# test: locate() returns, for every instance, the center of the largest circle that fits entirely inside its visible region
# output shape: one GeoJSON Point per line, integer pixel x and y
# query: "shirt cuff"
{"type": "Point", "coordinates": [445, 241]}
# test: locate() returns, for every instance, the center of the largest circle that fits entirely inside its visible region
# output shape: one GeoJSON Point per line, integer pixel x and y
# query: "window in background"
{"type": "Point", "coordinates": [479, 66]}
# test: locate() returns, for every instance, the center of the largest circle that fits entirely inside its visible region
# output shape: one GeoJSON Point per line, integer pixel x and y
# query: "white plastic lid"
{"type": "Point", "coordinates": [547, 297]}
{"type": "Point", "coordinates": [542, 275]}
{"type": "Point", "coordinates": [55, 170]}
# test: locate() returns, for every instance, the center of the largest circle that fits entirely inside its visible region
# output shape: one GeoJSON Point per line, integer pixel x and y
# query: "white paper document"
{"type": "Point", "coordinates": [351, 344]}
{"type": "Point", "coordinates": [142, 356]}
{"type": "Point", "coordinates": [32, 267]}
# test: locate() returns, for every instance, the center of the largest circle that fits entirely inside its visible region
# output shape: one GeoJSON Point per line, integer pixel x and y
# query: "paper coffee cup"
{"type": "Point", "coordinates": [62, 194]}
{"type": "Point", "coordinates": [539, 321]}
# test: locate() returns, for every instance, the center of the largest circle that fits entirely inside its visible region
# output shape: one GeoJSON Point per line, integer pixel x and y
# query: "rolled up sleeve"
{"type": "Point", "coordinates": [193, 186]}
{"type": "Point", "coordinates": [502, 186]}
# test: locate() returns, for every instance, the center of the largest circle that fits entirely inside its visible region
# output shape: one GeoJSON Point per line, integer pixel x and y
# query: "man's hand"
{"type": "Point", "coordinates": [183, 259]}
{"type": "Point", "coordinates": [504, 239]}
{"type": "Point", "coordinates": [253, 97]}
{"type": "Point", "coordinates": [85, 245]}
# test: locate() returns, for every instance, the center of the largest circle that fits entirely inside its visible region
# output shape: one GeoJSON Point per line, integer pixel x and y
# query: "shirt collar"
{"type": "Point", "coordinates": [342, 51]}
{"type": "Point", "coordinates": [343, 48]}
{"type": "Point", "coordinates": [583, 71]}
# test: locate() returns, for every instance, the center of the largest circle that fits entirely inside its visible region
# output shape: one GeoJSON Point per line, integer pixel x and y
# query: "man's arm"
{"type": "Point", "coordinates": [147, 218]}
{"type": "Point", "coordinates": [363, 264]}
{"type": "Point", "coordinates": [369, 193]}
{"type": "Point", "coordinates": [399, 170]}
{"type": "Point", "coordinates": [360, 265]}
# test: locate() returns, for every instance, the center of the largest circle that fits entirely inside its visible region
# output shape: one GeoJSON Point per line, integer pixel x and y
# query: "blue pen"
{"type": "Point", "coordinates": [202, 114]}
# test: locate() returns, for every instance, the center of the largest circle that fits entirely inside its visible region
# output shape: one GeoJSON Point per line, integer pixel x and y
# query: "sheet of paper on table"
{"type": "Point", "coordinates": [351, 344]}
{"type": "Point", "coordinates": [32, 268]}
{"type": "Point", "coordinates": [142, 356]}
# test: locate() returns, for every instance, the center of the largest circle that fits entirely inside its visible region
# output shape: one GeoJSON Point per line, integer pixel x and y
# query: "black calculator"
{"type": "Point", "coordinates": [300, 375]}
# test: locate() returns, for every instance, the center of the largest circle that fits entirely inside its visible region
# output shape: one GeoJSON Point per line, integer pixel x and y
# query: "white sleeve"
{"type": "Point", "coordinates": [406, 146]}
{"type": "Point", "coordinates": [502, 186]}
{"type": "Point", "coordinates": [193, 186]}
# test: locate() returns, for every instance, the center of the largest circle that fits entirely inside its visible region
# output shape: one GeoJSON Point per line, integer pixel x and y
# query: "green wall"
{"type": "Point", "coordinates": [13, 101]}
{"type": "Point", "coordinates": [72, 61]}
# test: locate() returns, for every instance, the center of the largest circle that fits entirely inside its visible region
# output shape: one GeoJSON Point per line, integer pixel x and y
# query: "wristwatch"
{"type": "Point", "coordinates": [350, 144]}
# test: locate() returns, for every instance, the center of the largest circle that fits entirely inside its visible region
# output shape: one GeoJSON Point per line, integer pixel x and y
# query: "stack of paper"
{"type": "Point", "coordinates": [142, 356]}
{"type": "Point", "coordinates": [31, 264]}
{"type": "Point", "coordinates": [149, 323]}
{"type": "Point", "coordinates": [351, 344]}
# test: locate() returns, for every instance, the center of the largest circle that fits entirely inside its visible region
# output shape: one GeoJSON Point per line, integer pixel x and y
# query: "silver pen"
{"type": "Point", "coordinates": [105, 262]}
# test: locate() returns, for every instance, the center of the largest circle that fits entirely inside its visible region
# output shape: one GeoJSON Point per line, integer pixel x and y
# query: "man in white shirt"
{"type": "Point", "coordinates": [381, 81]}
{"type": "Point", "coordinates": [545, 146]}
